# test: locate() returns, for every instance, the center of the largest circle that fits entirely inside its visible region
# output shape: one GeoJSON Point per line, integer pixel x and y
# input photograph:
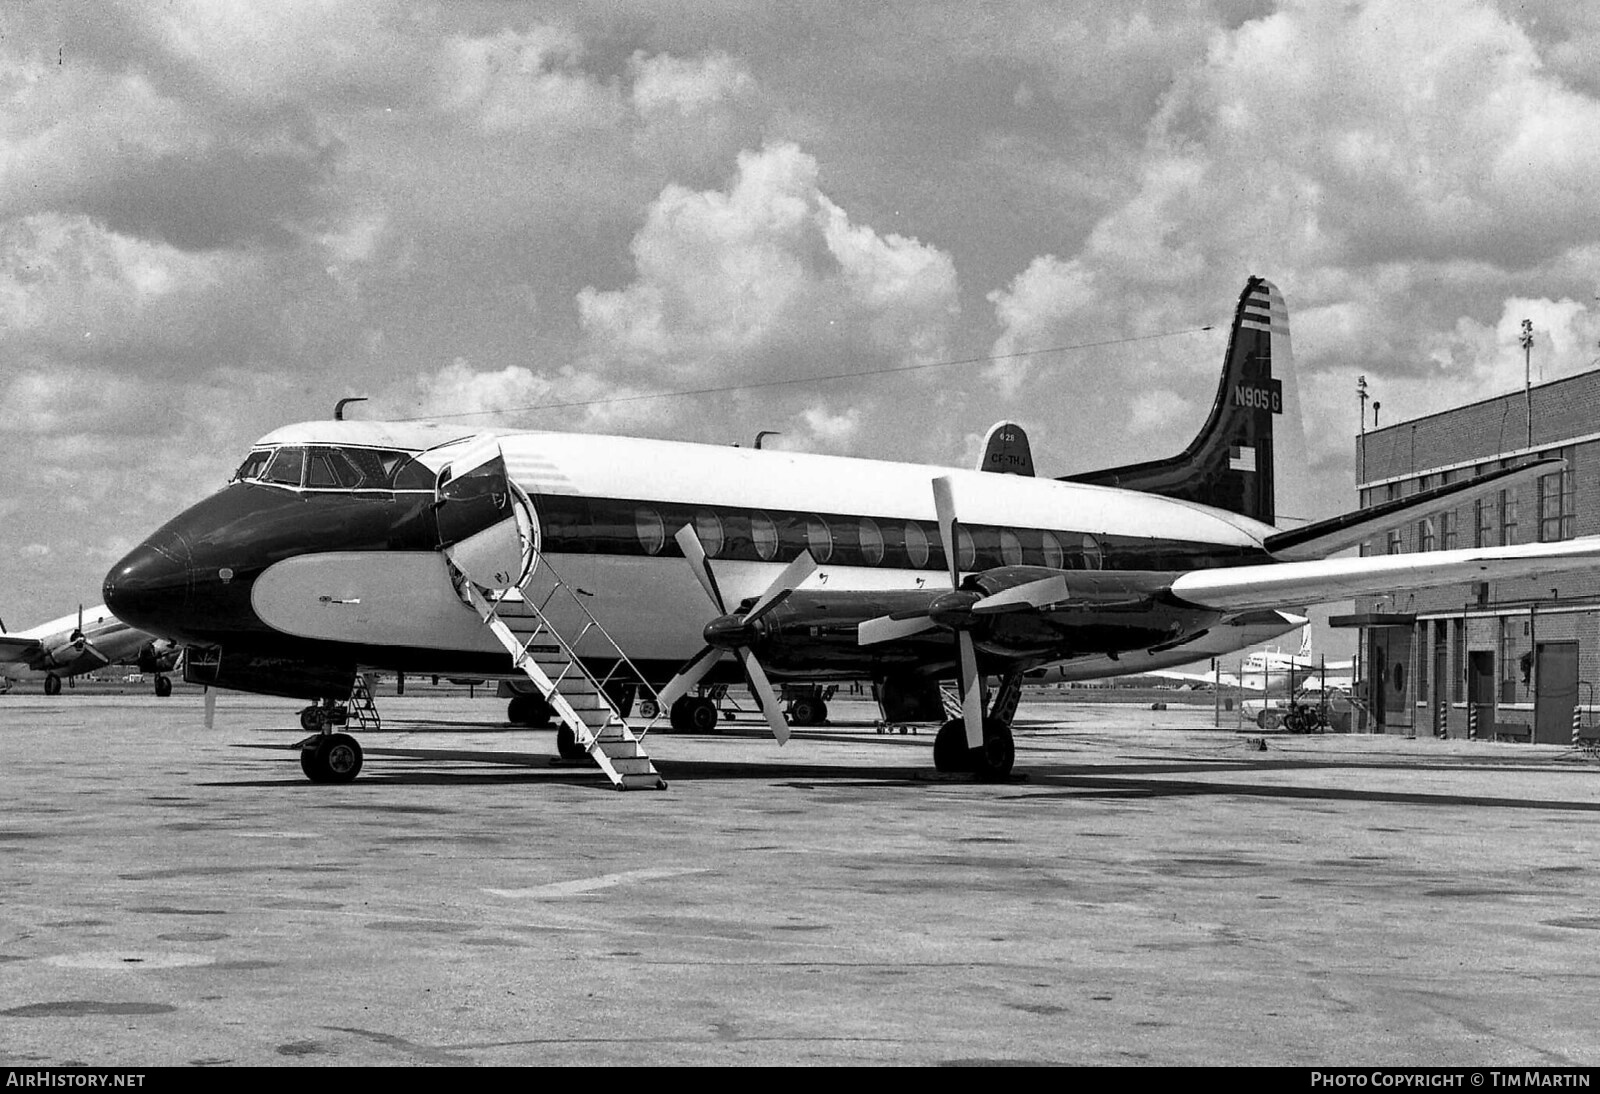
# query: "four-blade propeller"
{"type": "Point", "coordinates": [735, 633]}
{"type": "Point", "coordinates": [953, 610]}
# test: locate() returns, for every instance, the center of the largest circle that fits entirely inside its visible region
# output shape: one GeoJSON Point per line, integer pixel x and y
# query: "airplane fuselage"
{"type": "Point", "coordinates": [351, 575]}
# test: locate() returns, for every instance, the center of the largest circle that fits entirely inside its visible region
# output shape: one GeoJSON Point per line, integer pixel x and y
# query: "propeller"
{"type": "Point", "coordinates": [733, 632]}
{"type": "Point", "coordinates": [952, 610]}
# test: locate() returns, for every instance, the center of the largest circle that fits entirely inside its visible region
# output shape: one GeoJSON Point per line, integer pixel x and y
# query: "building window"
{"type": "Point", "coordinates": [1556, 500]}
{"type": "Point", "coordinates": [1392, 544]}
{"type": "Point", "coordinates": [1483, 523]}
{"type": "Point", "coordinates": [1508, 518]}
{"type": "Point", "coordinates": [1425, 536]}
{"type": "Point", "coordinates": [1447, 530]}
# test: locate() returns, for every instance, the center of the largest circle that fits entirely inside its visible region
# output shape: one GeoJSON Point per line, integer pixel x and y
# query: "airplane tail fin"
{"type": "Point", "coordinates": [1305, 643]}
{"type": "Point", "coordinates": [1232, 464]}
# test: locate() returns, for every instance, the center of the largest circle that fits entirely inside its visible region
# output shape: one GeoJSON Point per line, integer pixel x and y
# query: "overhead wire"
{"type": "Point", "coordinates": [798, 380]}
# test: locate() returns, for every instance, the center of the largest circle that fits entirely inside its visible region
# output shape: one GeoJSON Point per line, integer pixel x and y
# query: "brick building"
{"type": "Point", "coordinates": [1506, 658]}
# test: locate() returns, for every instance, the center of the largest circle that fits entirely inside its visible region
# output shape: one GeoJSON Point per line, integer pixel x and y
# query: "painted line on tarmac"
{"type": "Point", "coordinates": [579, 886]}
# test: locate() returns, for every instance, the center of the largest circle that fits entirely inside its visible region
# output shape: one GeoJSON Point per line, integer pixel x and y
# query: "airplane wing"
{"type": "Point", "coordinates": [1273, 585]}
{"type": "Point", "coordinates": [14, 649]}
{"type": "Point", "coordinates": [1325, 537]}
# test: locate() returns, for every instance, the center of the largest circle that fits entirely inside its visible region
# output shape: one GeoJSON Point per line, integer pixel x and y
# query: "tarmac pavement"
{"type": "Point", "coordinates": [1147, 890]}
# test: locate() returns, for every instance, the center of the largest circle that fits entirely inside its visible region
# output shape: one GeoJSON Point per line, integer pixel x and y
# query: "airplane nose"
{"type": "Point", "coordinates": [150, 586]}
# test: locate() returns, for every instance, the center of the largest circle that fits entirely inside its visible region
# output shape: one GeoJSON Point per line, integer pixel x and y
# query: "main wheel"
{"type": "Point", "coordinates": [992, 760]}
{"type": "Point", "coordinates": [1268, 719]}
{"type": "Point", "coordinates": [529, 710]}
{"type": "Point", "coordinates": [163, 686]}
{"type": "Point", "coordinates": [567, 746]}
{"type": "Point", "coordinates": [52, 684]}
{"type": "Point", "coordinates": [703, 715]}
{"type": "Point", "coordinates": [950, 751]}
{"type": "Point", "coordinates": [808, 711]}
{"type": "Point", "coordinates": [333, 758]}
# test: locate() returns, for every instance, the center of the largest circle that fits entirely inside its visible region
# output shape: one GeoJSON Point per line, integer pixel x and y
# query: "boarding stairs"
{"type": "Point", "coordinates": [361, 707]}
{"type": "Point", "coordinates": [586, 705]}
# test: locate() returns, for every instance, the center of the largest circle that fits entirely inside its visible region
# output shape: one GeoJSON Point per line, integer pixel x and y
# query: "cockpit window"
{"type": "Point", "coordinates": [286, 466]}
{"type": "Point", "coordinates": [253, 464]}
{"type": "Point", "coordinates": [414, 475]}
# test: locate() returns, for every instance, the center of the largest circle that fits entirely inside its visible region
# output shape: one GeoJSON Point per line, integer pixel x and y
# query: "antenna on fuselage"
{"type": "Point", "coordinates": [338, 408]}
{"type": "Point", "coordinates": [766, 433]}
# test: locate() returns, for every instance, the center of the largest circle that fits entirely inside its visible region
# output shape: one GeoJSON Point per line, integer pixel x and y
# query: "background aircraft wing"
{"type": "Point", "coordinates": [1276, 584]}
{"type": "Point", "coordinates": [19, 649]}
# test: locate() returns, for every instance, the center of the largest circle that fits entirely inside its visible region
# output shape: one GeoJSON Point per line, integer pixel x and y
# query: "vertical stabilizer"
{"type": "Point", "coordinates": [1006, 450]}
{"type": "Point", "coordinates": [1233, 463]}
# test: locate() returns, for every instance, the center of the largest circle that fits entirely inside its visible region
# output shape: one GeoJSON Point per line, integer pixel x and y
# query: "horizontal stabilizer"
{"type": "Point", "coordinates": [1238, 588]}
{"type": "Point", "coordinates": [1339, 533]}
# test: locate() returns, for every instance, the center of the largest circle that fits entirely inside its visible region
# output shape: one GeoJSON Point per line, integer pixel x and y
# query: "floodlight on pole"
{"type": "Point", "coordinates": [1527, 374]}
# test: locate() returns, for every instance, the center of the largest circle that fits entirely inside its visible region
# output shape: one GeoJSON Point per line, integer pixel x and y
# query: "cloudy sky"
{"type": "Point", "coordinates": [217, 218]}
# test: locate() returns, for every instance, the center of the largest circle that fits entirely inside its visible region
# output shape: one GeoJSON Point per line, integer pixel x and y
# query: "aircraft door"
{"type": "Point", "coordinates": [486, 524]}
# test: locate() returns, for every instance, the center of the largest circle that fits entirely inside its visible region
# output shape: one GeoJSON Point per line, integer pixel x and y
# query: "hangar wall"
{"type": "Point", "coordinates": [1513, 659]}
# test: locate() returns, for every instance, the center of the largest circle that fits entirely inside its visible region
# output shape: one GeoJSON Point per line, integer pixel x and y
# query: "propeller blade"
{"type": "Point", "coordinates": [688, 676]}
{"type": "Point", "coordinates": [886, 628]}
{"type": "Point", "coordinates": [1034, 594]}
{"type": "Point", "coordinates": [696, 554]}
{"type": "Point", "coordinates": [784, 584]}
{"type": "Point", "coordinates": [944, 504]}
{"type": "Point", "coordinates": [211, 709]}
{"type": "Point", "coordinates": [769, 699]}
{"type": "Point", "coordinates": [77, 634]}
{"type": "Point", "coordinates": [971, 691]}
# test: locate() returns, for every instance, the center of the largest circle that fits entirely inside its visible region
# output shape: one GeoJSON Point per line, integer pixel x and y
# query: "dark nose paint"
{"type": "Point", "coordinates": [150, 587]}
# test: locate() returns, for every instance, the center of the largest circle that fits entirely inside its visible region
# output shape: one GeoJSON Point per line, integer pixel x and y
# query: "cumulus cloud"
{"type": "Point", "coordinates": [745, 279]}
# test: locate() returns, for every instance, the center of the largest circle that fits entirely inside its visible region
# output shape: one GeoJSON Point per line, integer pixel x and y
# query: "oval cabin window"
{"type": "Point", "coordinates": [871, 541]}
{"type": "Point", "coordinates": [1092, 558]}
{"type": "Point", "coordinates": [1010, 548]}
{"type": "Point", "coordinates": [1054, 556]}
{"type": "Point", "coordinates": [764, 534]}
{"type": "Point", "coordinates": [966, 550]}
{"type": "Point", "coordinates": [708, 526]}
{"type": "Point", "coordinates": [916, 544]}
{"type": "Point", "coordinates": [819, 539]}
{"type": "Point", "coordinates": [652, 533]}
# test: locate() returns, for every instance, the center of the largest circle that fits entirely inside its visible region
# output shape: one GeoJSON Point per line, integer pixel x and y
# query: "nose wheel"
{"type": "Point", "coordinates": [331, 758]}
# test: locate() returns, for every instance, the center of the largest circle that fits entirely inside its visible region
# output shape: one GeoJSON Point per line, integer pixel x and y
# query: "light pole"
{"type": "Point", "coordinates": [1527, 373]}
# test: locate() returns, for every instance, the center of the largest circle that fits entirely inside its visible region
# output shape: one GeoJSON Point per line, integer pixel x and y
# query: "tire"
{"type": "Point", "coordinates": [567, 746]}
{"type": "Point", "coordinates": [52, 684]}
{"type": "Point", "coordinates": [334, 758]}
{"type": "Point", "coordinates": [1268, 719]}
{"type": "Point", "coordinates": [808, 711]}
{"type": "Point", "coordinates": [648, 708]}
{"type": "Point", "coordinates": [703, 716]}
{"type": "Point", "coordinates": [993, 760]}
{"type": "Point", "coordinates": [950, 752]}
{"type": "Point", "coordinates": [311, 719]}
{"type": "Point", "coordinates": [529, 710]}
{"type": "Point", "coordinates": [163, 687]}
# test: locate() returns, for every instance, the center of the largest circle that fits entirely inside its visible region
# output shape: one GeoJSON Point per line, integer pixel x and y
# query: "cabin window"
{"type": "Point", "coordinates": [871, 541]}
{"type": "Point", "coordinates": [287, 466]}
{"type": "Point", "coordinates": [1054, 556]}
{"type": "Point", "coordinates": [966, 550]}
{"type": "Point", "coordinates": [253, 464]}
{"type": "Point", "coordinates": [819, 539]}
{"type": "Point", "coordinates": [764, 534]}
{"type": "Point", "coordinates": [708, 526]}
{"type": "Point", "coordinates": [1010, 548]}
{"type": "Point", "coordinates": [652, 533]}
{"type": "Point", "coordinates": [916, 544]}
{"type": "Point", "coordinates": [1093, 558]}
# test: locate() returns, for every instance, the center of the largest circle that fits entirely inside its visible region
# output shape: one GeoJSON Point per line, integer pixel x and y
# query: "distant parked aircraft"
{"type": "Point", "coordinates": [80, 643]}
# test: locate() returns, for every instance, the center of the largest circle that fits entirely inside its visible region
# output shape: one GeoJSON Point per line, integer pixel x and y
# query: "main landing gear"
{"type": "Point", "coordinates": [694, 714]}
{"type": "Point", "coordinates": [163, 686]}
{"type": "Point", "coordinates": [991, 761]}
{"type": "Point", "coordinates": [52, 684]}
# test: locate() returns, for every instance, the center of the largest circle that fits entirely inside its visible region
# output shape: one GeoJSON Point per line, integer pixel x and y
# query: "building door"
{"type": "Point", "coordinates": [1555, 692]}
{"type": "Point", "coordinates": [1480, 692]}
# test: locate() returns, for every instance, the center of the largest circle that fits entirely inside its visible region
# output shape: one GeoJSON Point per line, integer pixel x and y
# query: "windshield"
{"type": "Point", "coordinates": [327, 467]}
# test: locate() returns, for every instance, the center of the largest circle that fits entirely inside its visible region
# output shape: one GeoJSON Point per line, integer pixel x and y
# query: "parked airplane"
{"type": "Point", "coordinates": [342, 545]}
{"type": "Point", "coordinates": [76, 644]}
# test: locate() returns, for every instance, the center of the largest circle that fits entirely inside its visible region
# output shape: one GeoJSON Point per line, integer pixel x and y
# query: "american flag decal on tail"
{"type": "Point", "coordinates": [1241, 458]}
